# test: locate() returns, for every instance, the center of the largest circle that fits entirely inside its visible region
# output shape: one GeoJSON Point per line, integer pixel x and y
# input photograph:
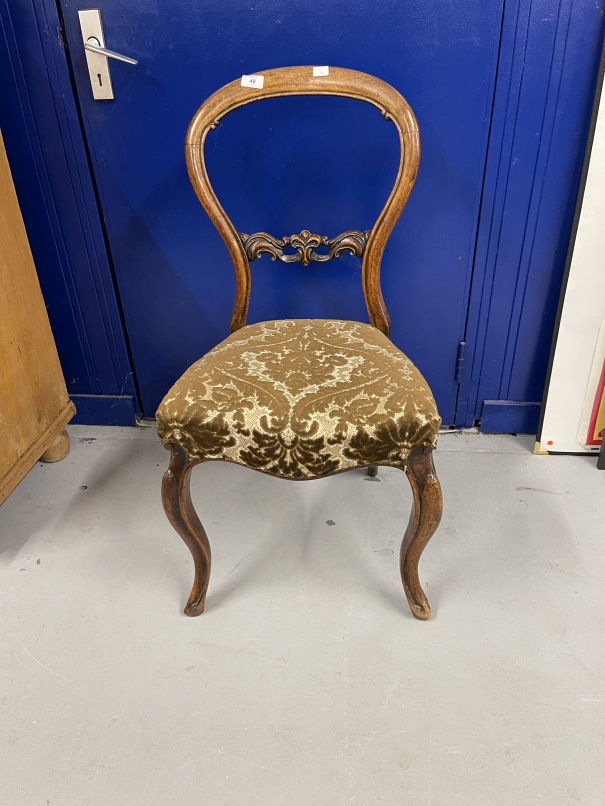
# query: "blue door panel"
{"type": "Point", "coordinates": [41, 127]}
{"type": "Point", "coordinates": [281, 166]}
{"type": "Point", "coordinates": [577, 53]}
{"type": "Point", "coordinates": [278, 171]}
{"type": "Point", "coordinates": [28, 169]}
{"type": "Point", "coordinates": [546, 77]}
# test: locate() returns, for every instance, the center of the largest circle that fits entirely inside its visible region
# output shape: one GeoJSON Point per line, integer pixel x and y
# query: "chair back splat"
{"type": "Point", "coordinates": [368, 245]}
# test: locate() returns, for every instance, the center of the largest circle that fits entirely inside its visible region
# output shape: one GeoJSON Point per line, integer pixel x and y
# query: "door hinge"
{"type": "Point", "coordinates": [460, 361]}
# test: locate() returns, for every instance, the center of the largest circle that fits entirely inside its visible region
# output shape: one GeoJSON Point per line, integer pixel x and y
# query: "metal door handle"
{"type": "Point", "coordinates": [94, 46]}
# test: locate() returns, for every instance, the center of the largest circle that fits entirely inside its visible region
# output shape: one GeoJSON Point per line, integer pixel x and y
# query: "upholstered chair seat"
{"type": "Point", "coordinates": [305, 398]}
{"type": "Point", "coordinates": [301, 399]}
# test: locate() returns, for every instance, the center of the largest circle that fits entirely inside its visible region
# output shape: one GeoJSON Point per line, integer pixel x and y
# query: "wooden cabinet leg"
{"type": "Point", "coordinates": [58, 448]}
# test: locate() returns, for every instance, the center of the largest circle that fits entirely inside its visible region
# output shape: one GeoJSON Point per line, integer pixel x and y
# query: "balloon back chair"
{"type": "Point", "coordinates": [304, 398]}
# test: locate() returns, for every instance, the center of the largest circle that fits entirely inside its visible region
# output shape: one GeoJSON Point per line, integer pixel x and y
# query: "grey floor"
{"type": "Point", "coordinates": [306, 681]}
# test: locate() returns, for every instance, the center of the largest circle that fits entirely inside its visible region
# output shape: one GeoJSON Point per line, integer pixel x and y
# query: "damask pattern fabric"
{"type": "Point", "coordinates": [301, 398]}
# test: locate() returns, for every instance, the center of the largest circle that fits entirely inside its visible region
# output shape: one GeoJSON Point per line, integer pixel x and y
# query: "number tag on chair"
{"type": "Point", "coordinates": [321, 71]}
{"type": "Point", "coordinates": [253, 81]}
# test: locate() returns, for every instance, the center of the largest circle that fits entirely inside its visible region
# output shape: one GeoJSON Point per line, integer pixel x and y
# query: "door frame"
{"type": "Point", "coordinates": [536, 188]}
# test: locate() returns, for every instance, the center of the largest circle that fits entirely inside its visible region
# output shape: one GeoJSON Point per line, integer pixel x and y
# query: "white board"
{"type": "Point", "coordinates": [577, 359]}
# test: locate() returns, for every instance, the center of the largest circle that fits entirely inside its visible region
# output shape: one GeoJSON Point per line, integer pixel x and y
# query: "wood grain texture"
{"type": "Point", "coordinates": [426, 511]}
{"type": "Point", "coordinates": [261, 243]}
{"type": "Point", "coordinates": [176, 498]}
{"type": "Point", "coordinates": [34, 405]}
{"type": "Point", "coordinates": [426, 514]}
{"type": "Point", "coordinates": [24, 464]}
{"type": "Point", "coordinates": [58, 449]}
{"type": "Point", "coordinates": [286, 81]}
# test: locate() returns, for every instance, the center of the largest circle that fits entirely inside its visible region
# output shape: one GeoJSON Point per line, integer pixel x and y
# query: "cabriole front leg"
{"type": "Point", "coordinates": [176, 498]}
{"type": "Point", "coordinates": [424, 520]}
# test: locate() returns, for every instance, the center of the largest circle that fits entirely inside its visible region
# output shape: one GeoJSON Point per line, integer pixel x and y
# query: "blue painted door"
{"type": "Point", "coordinates": [284, 165]}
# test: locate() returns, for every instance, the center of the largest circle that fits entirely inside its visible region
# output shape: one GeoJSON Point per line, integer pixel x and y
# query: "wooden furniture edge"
{"type": "Point", "coordinates": [287, 81]}
{"type": "Point", "coordinates": [23, 465]}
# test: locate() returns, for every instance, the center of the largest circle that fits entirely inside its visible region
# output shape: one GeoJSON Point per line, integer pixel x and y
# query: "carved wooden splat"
{"type": "Point", "coordinates": [261, 243]}
{"type": "Point", "coordinates": [287, 81]}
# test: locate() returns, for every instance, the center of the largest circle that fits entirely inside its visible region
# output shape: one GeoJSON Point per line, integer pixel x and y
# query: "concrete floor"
{"type": "Point", "coordinates": [306, 681]}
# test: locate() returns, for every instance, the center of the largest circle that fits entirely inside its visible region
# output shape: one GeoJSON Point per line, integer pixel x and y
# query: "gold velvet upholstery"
{"type": "Point", "coordinates": [301, 399]}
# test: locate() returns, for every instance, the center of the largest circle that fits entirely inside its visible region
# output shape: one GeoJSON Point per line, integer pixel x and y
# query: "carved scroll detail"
{"type": "Point", "coordinates": [261, 243]}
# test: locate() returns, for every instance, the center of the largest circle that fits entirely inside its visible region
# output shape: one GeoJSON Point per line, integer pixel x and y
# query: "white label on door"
{"type": "Point", "coordinates": [321, 71]}
{"type": "Point", "coordinates": [253, 81]}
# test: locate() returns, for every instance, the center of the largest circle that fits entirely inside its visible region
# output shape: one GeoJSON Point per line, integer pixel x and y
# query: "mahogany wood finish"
{"type": "Point", "coordinates": [424, 520]}
{"type": "Point", "coordinates": [300, 81]}
{"type": "Point", "coordinates": [427, 507]}
{"type": "Point", "coordinates": [261, 243]}
{"type": "Point", "coordinates": [176, 498]}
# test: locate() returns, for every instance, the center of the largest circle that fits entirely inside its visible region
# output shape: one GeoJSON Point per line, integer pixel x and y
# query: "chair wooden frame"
{"type": "Point", "coordinates": [426, 490]}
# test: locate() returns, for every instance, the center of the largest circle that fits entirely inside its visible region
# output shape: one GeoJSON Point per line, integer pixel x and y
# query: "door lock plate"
{"type": "Point", "coordinates": [98, 65]}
